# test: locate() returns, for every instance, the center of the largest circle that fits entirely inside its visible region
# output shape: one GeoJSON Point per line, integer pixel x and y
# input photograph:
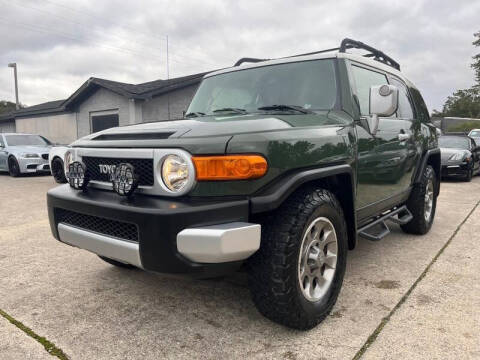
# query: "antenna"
{"type": "Point", "coordinates": [168, 80]}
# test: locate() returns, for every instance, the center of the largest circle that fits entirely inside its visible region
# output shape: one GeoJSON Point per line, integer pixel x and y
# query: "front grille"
{"type": "Point", "coordinates": [45, 156]}
{"type": "Point", "coordinates": [113, 228]}
{"type": "Point", "coordinates": [143, 168]}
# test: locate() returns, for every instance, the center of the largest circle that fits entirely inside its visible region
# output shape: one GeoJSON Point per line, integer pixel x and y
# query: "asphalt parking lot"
{"type": "Point", "coordinates": [404, 297]}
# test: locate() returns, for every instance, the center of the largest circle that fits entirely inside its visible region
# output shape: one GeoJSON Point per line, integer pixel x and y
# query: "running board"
{"type": "Point", "coordinates": [378, 229]}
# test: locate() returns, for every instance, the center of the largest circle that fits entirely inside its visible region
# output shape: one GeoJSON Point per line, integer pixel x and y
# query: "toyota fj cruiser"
{"type": "Point", "coordinates": [279, 165]}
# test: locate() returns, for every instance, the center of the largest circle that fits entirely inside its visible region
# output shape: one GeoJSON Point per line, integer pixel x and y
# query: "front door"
{"type": "Point", "coordinates": [386, 161]}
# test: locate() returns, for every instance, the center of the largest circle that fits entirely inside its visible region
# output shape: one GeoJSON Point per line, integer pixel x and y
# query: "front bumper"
{"type": "Point", "coordinates": [203, 238]}
{"type": "Point", "coordinates": [33, 165]}
{"type": "Point", "coordinates": [455, 169]}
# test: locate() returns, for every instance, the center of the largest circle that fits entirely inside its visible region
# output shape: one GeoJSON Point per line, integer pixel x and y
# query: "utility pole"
{"type": "Point", "coordinates": [14, 66]}
{"type": "Point", "coordinates": [168, 78]}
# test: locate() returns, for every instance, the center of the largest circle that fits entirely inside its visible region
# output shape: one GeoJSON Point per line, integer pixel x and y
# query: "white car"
{"type": "Point", "coordinates": [57, 168]}
{"type": "Point", "coordinates": [475, 135]}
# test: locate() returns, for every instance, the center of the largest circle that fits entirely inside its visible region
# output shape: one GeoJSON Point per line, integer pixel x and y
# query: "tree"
{"type": "Point", "coordinates": [476, 58]}
{"type": "Point", "coordinates": [6, 106]}
{"type": "Point", "coordinates": [465, 103]}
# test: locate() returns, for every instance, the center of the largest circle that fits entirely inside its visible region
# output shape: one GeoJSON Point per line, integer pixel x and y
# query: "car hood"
{"type": "Point", "coordinates": [29, 149]}
{"type": "Point", "coordinates": [212, 130]}
{"type": "Point", "coordinates": [447, 152]}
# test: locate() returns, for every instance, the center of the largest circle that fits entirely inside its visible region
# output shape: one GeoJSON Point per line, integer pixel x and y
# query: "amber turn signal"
{"type": "Point", "coordinates": [229, 167]}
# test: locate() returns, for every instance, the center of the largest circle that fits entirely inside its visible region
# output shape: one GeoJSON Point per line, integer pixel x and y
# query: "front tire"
{"type": "Point", "coordinates": [58, 171]}
{"type": "Point", "coordinates": [296, 275]}
{"type": "Point", "coordinates": [13, 167]}
{"type": "Point", "coordinates": [469, 175]}
{"type": "Point", "coordinates": [422, 203]}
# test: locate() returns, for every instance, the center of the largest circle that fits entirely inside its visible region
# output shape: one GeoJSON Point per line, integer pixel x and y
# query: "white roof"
{"type": "Point", "coordinates": [330, 55]}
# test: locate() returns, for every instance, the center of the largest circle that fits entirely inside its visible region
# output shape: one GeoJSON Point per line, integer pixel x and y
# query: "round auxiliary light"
{"type": "Point", "coordinates": [124, 179]}
{"type": "Point", "coordinates": [77, 175]}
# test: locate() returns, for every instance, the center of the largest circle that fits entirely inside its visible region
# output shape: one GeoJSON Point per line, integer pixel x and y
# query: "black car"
{"type": "Point", "coordinates": [460, 156]}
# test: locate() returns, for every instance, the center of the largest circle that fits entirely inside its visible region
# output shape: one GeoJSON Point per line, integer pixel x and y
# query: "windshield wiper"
{"type": "Point", "coordinates": [194, 114]}
{"type": "Point", "coordinates": [297, 108]}
{"type": "Point", "coordinates": [231, 110]}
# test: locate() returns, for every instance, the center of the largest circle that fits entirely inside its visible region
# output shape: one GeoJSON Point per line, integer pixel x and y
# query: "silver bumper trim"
{"type": "Point", "coordinates": [219, 243]}
{"type": "Point", "coordinates": [121, 250]}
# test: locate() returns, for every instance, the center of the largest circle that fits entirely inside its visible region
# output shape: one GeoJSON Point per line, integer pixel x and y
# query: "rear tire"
{"type": "Point", "coordinates": [13, 167]}
{"type": "Point", "coordinates": [58, 171]}
{"type": "Point", "coordinates": [116, 263]}
{"type": "Point", "coordinates": [422, 203]}
{"type": "Point", "coordinates": [285, 287]}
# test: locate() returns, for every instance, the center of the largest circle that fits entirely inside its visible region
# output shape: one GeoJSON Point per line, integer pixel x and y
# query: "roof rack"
{"type": "Point", "coordinates": [345, 44]}
{"type": "Point", "coordinates": [250, 60]}
{"type": "Point", "coordinates": [373, 53]}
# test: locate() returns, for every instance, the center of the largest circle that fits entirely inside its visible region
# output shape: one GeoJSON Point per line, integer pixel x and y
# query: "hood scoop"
{"type": "Point", "coordinates": [135, 136]}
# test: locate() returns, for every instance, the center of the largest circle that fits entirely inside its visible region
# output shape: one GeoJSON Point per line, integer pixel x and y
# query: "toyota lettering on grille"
{"type": "Point", "coordinates": [107, 169]}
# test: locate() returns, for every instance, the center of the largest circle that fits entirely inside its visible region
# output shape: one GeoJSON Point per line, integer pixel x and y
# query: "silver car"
{"type": "Point", "coordinates": [24, 153]}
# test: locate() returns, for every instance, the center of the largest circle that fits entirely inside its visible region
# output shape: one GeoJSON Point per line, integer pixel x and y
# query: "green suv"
{"type": "Point", "coordinates": [278, 167]}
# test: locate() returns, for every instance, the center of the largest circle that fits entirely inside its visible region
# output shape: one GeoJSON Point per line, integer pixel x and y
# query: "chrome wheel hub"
{"type": "Point", "coordinates": [317, 259]}
{"type": "Point", "coordinates": [428, 200]}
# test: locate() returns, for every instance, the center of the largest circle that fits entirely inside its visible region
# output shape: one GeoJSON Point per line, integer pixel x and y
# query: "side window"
{"type": "Point", "coordinates": [1, 141]}
{"type": "Point", "coordinates": [405, 110]}
{"type": "Point", "coordinates": [364, 79]}
{"type": "Point", "coordinates": [422, 111]}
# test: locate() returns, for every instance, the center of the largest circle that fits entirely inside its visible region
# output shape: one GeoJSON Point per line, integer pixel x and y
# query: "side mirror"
{"type": "Point", "coordinates": [383, 102]}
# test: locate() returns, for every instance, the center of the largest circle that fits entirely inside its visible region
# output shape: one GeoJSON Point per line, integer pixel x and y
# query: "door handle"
{"type": "Point", "coordinates": [403, 136]}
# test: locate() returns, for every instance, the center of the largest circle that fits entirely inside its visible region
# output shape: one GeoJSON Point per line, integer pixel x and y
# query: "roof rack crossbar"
{"type": "Point", "coordinates": [373, 53]}
{"type": "Point", "coordinates": [250, 60]}
{"type": "Point", "coordinates": [315, 52]}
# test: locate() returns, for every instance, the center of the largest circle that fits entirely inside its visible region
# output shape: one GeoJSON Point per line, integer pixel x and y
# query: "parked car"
{"type": "Point", "coordinates": [270, 169]}
{"type": "Point", "coordinates": [460, 156]}
{"type": "Point", "coordinates": [24, 153]}
{"type": "Point", "coordinates": [57, 168]}
{"type": "Point", "coordinates": [475, 135]}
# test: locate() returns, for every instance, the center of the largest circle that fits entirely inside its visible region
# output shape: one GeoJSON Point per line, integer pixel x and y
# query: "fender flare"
{"type": "Point", "coordinates": [275, 194]}
{"type": "Point", "coordinates": [436, 163]}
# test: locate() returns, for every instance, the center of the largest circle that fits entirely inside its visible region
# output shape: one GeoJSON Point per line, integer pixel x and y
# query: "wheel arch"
{"type": "Point", "coordinates": [335, 179]}
{"type": "Point", "coordinates": [430, 157]}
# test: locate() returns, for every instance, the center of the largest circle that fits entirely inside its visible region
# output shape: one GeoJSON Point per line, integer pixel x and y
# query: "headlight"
{"type": "Point", "coordinates": [457, 157]}
{"type": "Point", "coordinates": [29, 155]}
{"type": "Point", "coordinates": [67, 160]}
{"type": "Point", "coordinates": [175, 173]}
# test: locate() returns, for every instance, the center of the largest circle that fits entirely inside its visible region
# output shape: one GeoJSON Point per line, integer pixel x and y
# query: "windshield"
{"type": "Point", "coordinates": [307, 84]}
{"type": "Point", "coordinates": [474, 133]}
{"type": "Point", "coordinates": [453, 142]}
{"type": "Point", "coordinates": [21, 140]}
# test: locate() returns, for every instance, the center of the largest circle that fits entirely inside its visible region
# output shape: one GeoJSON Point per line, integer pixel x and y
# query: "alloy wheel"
{"type": "Point", "coordinates": [428, 200]}
{"type": "Point", "coordinates": [317, 259]}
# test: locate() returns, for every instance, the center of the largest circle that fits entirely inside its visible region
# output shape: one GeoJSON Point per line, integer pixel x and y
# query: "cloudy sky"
{"type": "Point", "coordinates": [59, 44]}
